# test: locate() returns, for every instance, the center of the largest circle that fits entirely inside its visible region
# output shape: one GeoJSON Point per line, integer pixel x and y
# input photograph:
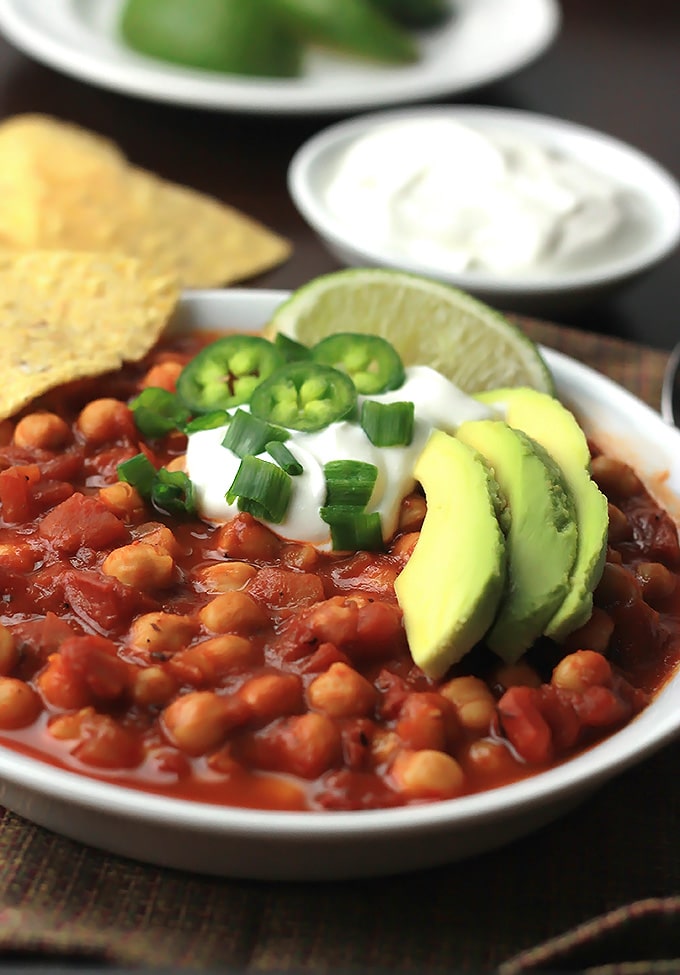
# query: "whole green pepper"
{"type": "Point", "coordinates": [244, 37]}
{"type": "Point", "coordinates": [349, 26]}
{"type": "Point", "coordinates": [415, 14]}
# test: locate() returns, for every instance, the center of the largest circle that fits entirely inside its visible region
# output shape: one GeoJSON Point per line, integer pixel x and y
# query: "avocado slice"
{"type": "Point", "coordinates": [451, 586]}
{"type": "Point", "coordinates": [550, 423]}
{"type": "Point", "coordinates": [542, 539]}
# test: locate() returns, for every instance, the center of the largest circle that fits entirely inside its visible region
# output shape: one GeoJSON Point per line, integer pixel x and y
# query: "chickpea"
{"type": "Point", "coordinates": [225, 576]}
{"type": "Point", "coordinates": [103, 420]}
{"type": "Point", "coordinates": [153, 687]}
{"type": "Point", "coordinates": [412, 513]}
{"type": "Point", "coordinates": [385, 745]}
{"type": "Point", "coordinates": [123, 500]}
{"type": "Point", "coordinates": [212, 659]}
{"type": "Point", "coordinates": [488, 757]}
{"type": "Point", "coordinates": [162, 632]}
{"type": "Point", "coordinates": [311, 744]}
{"type": "Point", "coordinates": [140, 566]}
{"type": "Point", "coordinates": [249, 540]}
{"type": "Point", "coordinates": [160, 536]}
{"type": "Point", "coordinates": [595, 634]}
{"type": "Point", "coordinates": [177, 463]}
{"type": "Point", "coordinates": [19, 703]}
{"type": "Point", "coordinates": [620, 529]}
{"type": "Point", "coordinates": [473, 701]}
{"type": "Point", "coordinates": [9, 655]}
{"type": "Point", "coordinates": [198, 722]}
{"type": "Point", "coordinates": [66, 727]}
{"type": "Point", "coordinates": [427, 774]}
{"type": "Point", "coordinates": [163, 374]}
{"type": "Point", "coordinates": [342, 693]}
{"type": "Point", "coordinates": [614, 478]}
{"type": "Point", "coordinates": [427, 720]}
{"type": "Point", "coordinates": [580, 670]}
{"type": "Point", "coordinates": [300, 556]}
{"type": "Point", "coordinates": [519, 674]}
{"type": "Point", "coordinates": [42, 431]}
{"type": "Point", "coordinates": [656, 580]}
{"type": "Point", "coordinates": [271, 696]}
{"type": "Point", "coordinates": [617, 585]}
{"type": "Point", "coordinates": [233, 612]}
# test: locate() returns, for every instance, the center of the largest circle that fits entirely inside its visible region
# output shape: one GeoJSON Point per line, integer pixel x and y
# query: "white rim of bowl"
{"type": "Point", "coordinates": [663, 241]}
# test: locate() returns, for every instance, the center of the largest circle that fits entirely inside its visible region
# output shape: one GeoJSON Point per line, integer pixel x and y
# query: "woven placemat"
{"type": "Point", "coordinates": [61, 899]}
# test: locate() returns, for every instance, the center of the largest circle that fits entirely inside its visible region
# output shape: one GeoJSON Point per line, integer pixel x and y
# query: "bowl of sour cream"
{"type": "Point", "coordinates": [525, 211]}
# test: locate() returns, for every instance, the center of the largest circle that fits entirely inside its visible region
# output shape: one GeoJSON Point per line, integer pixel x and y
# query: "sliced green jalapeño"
{"type": "Point", "coordinates": [304, 396]}
{"type": "Point", "coordinates": [226, 372]}
{"type": "Point", "coordinates": [373, 365]}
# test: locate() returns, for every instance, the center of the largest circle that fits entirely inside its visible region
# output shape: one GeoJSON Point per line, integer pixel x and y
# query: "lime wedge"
{"type": "Point", "coordinates": [427, 322]}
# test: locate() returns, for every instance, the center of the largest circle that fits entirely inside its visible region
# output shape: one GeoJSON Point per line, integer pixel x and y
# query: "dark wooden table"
{"type": "Point", "coordinates": [614, 66]}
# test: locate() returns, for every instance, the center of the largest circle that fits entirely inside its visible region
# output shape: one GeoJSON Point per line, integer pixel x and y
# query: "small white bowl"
{"type": "Point", "coordinates": [654, 235]}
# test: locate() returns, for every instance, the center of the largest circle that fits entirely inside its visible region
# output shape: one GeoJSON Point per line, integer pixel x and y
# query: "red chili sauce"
{"type": "Point", "coordinates": [227, 665]}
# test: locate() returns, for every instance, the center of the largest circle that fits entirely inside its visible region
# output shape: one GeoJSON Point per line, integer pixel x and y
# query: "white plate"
{"type": "Point", "coordinates": [333, 845]}
{"type": "Point", "coordinates": [484, 41]}
{"type": "Point", "coordinates": [651, 231]}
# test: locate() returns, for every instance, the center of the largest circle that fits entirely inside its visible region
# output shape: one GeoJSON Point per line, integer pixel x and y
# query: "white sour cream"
{"type": "Point", "coordinates": [437, 404]}
{"type": "Point", "coordinates": [459, 199]}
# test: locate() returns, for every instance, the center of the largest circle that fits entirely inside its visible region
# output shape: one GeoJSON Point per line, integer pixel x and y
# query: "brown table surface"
{"type": "Point", "coordinates": [615, 67]}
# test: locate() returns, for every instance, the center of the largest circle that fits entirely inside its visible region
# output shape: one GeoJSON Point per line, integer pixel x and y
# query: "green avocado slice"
{"type": "Point", "coordinates": [451, 586]}
{"type": "Point", "coordinates": [550, 423]}
{"type": "Point", "coordinates": [541, 541]}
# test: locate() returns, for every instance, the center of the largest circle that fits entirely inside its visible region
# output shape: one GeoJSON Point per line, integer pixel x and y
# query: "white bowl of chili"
{"type": "Point", "coordinates": [194, 830]}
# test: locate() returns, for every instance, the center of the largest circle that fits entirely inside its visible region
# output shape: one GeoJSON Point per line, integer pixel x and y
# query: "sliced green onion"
{"type": "Point", "coordinates": [208, 421]}
{"type": "Point", "coordinates": [349, 482]}
{"type": "Point", "coordinates": [353, 530]}
{"type": "Point", "coordinates": [283, 457]}
{"type": "Point", "coordinates": [388, 424]}
{"type": "Point", "coordinates": [139, 472]}
{"type": "Point", "coordinates": [264, 484]}
{"type": "Point", "coordinates": [172, 493]}
{"type": "Point", "coordinates": [157, 411]}
{"type": "Point", "coordinates": [247, 434]}
{"type": "Point", "coordinates": [291, 350]}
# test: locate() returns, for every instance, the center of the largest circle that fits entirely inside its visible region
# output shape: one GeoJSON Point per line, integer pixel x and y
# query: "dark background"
{"type": "Point", "coordinates": [614, 66]}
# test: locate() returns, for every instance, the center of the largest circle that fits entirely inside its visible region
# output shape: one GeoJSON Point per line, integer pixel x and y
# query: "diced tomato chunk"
{"type": "Point", "coordinates": [102, 600]}
{"type": "Point", "coordinates": [524, 724]}
{"type": "Point", "coordinates": [16, 493]}
{"type": "Point", "coordinates": [284, 592]}
{"type": "Point", "coordinates": [94, 659]}
{"type": "Point", "coordinates": [82, 521]}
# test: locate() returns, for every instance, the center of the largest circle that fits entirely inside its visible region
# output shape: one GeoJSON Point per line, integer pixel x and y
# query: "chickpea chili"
{"type": "Point", "coordinates": [229, 665]}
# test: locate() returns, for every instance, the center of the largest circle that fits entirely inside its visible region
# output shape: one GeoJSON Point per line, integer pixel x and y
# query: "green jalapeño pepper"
{"type": "Point", "coordinates": [226, 372]}
{"type": "Point", "coordinates": [373, 365]}
{"type": "Point", "coordinates": [304, 396]}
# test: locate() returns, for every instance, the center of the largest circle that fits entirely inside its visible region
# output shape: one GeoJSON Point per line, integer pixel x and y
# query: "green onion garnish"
{"type": "Point", "coordinates": [353, 530]}
{"type": "Point", "coordinates": [157, 411]}
{"type": "Point", "coordinates": [207, 421]}
{"type": "Point", "coordinates": [258, 482]}
{"type": "Point", "coordinates": [349, 482]}
{"type": "Point", "coordinates": [284, 458]}
{"type": "Point", "coordinates": [139, 472]}
{"type": "Point", "coordinates": [247, 434]}
{"type": "Point", "coordinates": [172, 493]}
{"type": "Point", "coordinates": [388, 424]}
{"type": "Point", "coordinates": [292, 350]}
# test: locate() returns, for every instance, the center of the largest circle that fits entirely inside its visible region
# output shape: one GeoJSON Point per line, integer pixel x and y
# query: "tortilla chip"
{"type": "Point", "coordinates": [68, 315]}
{"type": "Point", "coordinates": [64, 188]}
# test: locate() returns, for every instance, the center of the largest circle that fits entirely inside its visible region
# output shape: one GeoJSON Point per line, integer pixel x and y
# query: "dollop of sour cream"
{"type": "Point", "coordinates": [453, 197]}
{"type": "Point", "coordinates": [438, 403]}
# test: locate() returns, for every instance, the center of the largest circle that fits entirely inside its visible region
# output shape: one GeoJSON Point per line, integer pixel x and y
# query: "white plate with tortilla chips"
{"type": "Point", "coordinates": [484, 41]}
{"type": "Point", "coordinates": [305, 846]}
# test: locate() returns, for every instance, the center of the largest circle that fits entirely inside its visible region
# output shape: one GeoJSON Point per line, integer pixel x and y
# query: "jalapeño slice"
{"type": "Point", "coordinates": [371, 362]}
{"type": "Point", "coordinates": [304, 396]}
{"type": "Point", "coordinates": [225, 373]}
